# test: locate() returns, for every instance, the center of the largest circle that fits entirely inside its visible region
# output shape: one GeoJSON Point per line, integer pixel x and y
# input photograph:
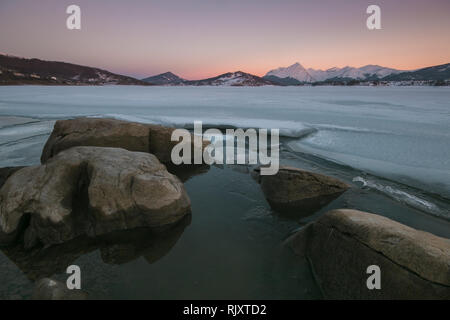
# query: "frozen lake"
{"type": "Point", "coordinates": [390, 143]}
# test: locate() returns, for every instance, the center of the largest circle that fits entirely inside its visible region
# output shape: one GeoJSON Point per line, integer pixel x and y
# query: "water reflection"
{"type": "Point", "coordinates": [115, 248]}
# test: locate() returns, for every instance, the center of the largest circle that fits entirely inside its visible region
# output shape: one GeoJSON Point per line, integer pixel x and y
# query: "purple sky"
{"type": "Point", "coordinates": [201, 38]}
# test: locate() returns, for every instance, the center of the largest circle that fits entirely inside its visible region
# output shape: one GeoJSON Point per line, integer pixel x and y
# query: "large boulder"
{"type": "Point", "coordinates": [293, 190]}
{"type": "Point", "coordinates": [89, 191]}
{"type": "Point", "coordinates": [98, 133]}
{"type": "Point", "coordinates": [112, 133]}
{"type": "Point", "coordinates": [6, 172]}
{"type": "Point", "coordinates": [160, 143]}
{"type": "Point", "coordinates": [342, 244]}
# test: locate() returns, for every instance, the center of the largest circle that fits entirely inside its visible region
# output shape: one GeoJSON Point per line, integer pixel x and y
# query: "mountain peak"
{"type": "Point", "coordinates": [295, 71]}
{"type": "Point", "coordinates": [164, 79]}
{"type": "Point", "coordinates": [168, 73]}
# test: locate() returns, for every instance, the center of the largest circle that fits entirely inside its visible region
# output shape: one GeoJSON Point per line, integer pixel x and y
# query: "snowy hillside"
{"type": "Point", "coordinates": [16, 70]}
{"type": "Point", "coordinates": [238, 78]}
{"type": "Point", "coordinates": [167, 78]}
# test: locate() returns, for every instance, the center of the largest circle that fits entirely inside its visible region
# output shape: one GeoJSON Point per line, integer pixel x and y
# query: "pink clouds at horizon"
{"type": "Point", "coordinates": [202, 38]}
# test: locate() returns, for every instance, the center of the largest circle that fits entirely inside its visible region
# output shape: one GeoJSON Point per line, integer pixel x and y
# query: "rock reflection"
{"type": "Point", "coordinates": [115, 248]}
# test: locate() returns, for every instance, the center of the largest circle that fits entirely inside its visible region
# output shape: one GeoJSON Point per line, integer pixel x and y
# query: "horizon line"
{"type": "Point", "coordinates": [208, 77]}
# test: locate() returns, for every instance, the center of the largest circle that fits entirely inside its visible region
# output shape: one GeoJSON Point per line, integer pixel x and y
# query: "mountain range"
{"type": "Point", "coordinates": [298, 72]}
{"type": "Point", "coordinates": [17, 70]}
{"type": "Point", "coordinates": [237, 78]}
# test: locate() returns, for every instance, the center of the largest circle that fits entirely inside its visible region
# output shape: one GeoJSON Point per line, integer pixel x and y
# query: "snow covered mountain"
{"type": "Point", "coordinates": [379, 71]}
{"type": "Point", "coordinates": [297, 71]}
{"type": "Point", "coordinates": [167, 78]}
{"type": "Point", "coordinates": [237, 78]}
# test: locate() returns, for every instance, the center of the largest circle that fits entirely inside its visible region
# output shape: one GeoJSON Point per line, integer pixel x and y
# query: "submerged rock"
{"type": "Point", "coordinates": [89, 191]}
{"type": "Point", "coordinates": [293, 190]}
{"type": "Point", "coordinates": [132, 136]}
{"type": "Point", "coordinates": [49, 289]}
{"type": "Point", "coordinates": [342, 244]}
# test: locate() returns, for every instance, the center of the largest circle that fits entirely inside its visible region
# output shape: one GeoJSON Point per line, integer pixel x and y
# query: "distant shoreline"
{"type": "Point", "coordinates": [216, 86]}
{"type": "Point", "coordinates": [18, 71]}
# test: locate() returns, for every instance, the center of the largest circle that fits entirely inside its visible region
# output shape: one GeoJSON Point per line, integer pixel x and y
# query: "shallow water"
{"type": "Point", "coordinates": [390, 144]}
{"type": "Point", "coordinates": [231, 249]}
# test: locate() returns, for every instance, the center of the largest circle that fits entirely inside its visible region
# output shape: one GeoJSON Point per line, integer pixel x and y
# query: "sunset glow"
{"type": "Point", "coordinates": [203, 38]}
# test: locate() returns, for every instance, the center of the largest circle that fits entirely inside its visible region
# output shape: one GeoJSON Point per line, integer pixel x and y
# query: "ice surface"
{"type": "Point", "coordinates": [402, 133]}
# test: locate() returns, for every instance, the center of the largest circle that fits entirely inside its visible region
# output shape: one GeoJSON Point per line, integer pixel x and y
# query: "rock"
{"type": "Point", "coordinates": [342, 244]}
{"type": "Point", "coordinates": [293, 190]}
{"type": "Point", "coordinates": [98, 133]}
{"type": "Point", "coordinates": [113, 133]}
{"type": "Point", "coordinates": [89, 191]}
{"type": "Point", "coordinates": [6, 172]}
{"type": "Point", "coordinates": [160, 143]}
{"type": "Point", "coordinates": [49, 289]}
